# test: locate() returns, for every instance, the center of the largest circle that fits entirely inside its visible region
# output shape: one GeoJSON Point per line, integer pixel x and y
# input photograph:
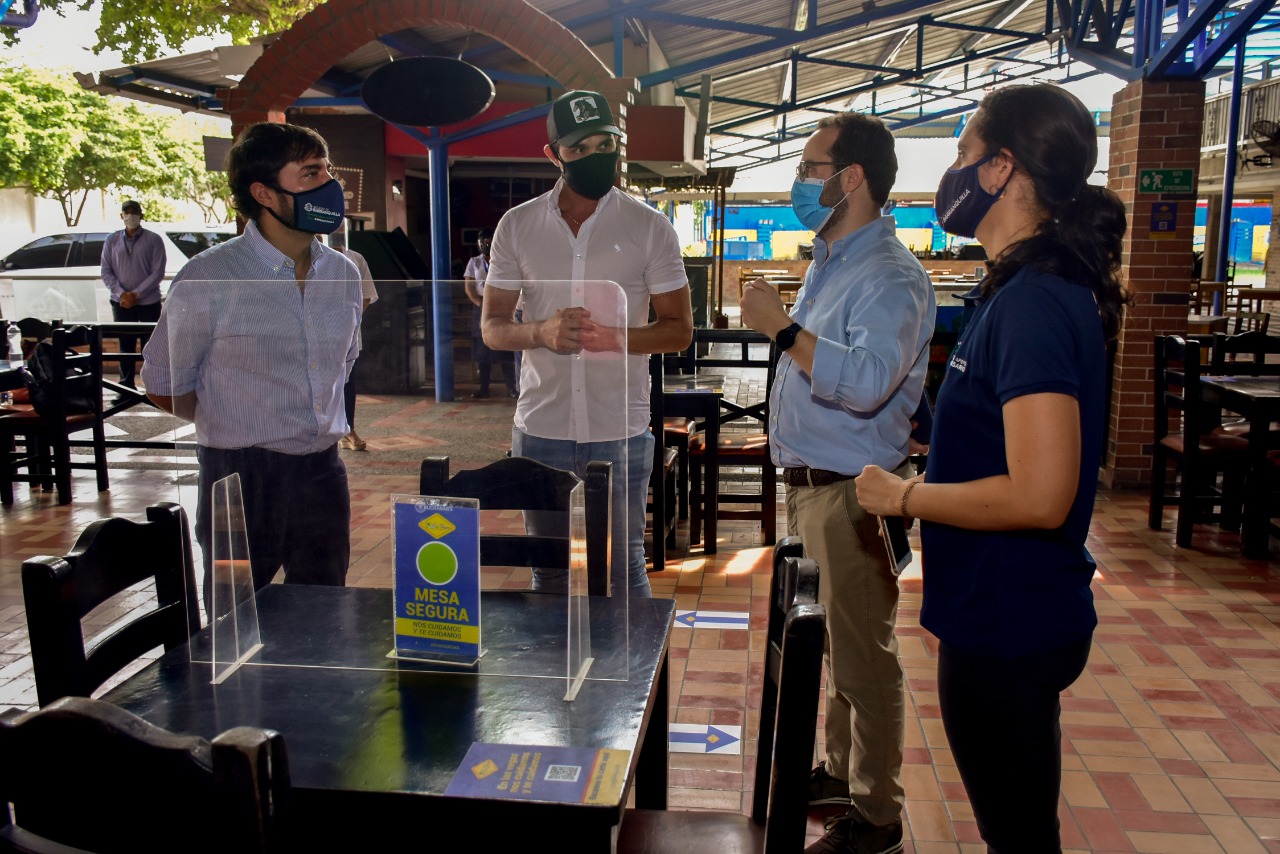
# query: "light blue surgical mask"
{"type": "Point", "coordinates": [805, 195]}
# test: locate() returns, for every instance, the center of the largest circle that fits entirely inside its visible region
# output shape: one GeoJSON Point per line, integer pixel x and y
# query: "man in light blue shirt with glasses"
{"type": "Point", "coordinates": [848, 382]}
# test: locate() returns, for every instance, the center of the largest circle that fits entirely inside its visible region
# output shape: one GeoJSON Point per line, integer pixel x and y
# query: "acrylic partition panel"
{"type": "Point", "coordinates": [233, 609]}
{"type": "Point", "coordinates": [260, 366]}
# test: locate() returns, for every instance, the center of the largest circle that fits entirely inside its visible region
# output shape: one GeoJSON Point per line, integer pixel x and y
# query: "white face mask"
{"type": "Point", "coordinates": [131, 221]}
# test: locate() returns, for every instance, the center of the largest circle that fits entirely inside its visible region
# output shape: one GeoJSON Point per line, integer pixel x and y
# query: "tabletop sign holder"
{"type": "Point", "coordinates": [437, 579]}
{"type": "Point", "coordinates": [233, 605]}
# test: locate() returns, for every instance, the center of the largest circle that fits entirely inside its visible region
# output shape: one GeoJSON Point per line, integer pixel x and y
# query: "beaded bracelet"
{"type": "Point", "coordinates": [906, 493]}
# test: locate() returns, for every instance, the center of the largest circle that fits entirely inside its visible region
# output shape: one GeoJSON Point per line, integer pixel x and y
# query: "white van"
{"type": "Point", "coordinates": [58, 276]}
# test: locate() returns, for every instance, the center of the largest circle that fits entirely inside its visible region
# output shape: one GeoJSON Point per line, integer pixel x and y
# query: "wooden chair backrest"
{"type": "Point", "coordinates": [110, 556]}
{"type": "Point", "coordinates": [1247, 321]}
{"type": "Point", "coordinates": [86, 774]}
{"type": "Point", "coordinates": [519, 483]}
{"type": "Point", "coordinates": [1245, 354]}
{"type": "Point", "coordinates": [794, 582]}
{"type": "Point", "coordinates": [794, 732]}
{"type": "Point", "coordinates": [1202, 296]}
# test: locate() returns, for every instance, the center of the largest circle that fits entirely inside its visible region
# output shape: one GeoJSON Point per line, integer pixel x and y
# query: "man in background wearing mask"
{"type": "Point", "coordinates": [586, 230]}
{"type": "Point", "coordinates": [255, 343]}
{"type": "Point", "coordinates": [133, 262]}
{"type": "Point", "coordinates": [855, 353]}
{"type": "Point", "coordinates": [473, 282]}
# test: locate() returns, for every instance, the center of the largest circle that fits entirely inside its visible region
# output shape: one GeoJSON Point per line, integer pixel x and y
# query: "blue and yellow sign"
{"type": "Point", "coordinates": [1164, 220]}
{"type": "Point", "coordinates": [437, 577]}
{"type": "Point", "coordinates": [525, 772]}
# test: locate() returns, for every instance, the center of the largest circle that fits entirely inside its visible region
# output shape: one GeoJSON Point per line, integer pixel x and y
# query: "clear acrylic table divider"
{"type": "Point", "coordinates": [596, 413]}
{"type": "Point", "coordinates": [581, 399]}
{"type": "Point", "coordinates": [233, 609]}
{"type": "Point", "coordinates": [236, 322]}
{"type": "Point", "coordinates": [579, 633]}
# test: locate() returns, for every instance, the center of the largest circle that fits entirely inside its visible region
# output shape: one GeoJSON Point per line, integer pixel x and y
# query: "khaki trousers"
{"type": "Point", "coordinates": [865, 704]}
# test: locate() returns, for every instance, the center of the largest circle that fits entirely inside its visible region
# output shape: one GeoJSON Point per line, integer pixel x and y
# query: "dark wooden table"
{"type": "Point", "coordinates": [688, 397]}
{"type": "Point", "coordinates": [373, 746]}
{"type": "Point", "coordinates": [701, 397]}
{"type": "Point", "coordinates": [1258, 399]}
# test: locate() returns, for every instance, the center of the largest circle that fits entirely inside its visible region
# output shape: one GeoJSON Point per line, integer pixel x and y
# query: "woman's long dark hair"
{"type": "Point", "coordinates": [1053, 141]}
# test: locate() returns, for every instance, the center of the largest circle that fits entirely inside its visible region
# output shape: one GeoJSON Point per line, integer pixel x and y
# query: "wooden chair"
{"type": "Point", "coordinates": [669, 476]}
{"type": "Point", "coordinates": [783, 764]}
{"type": "Point", "coordinates": [1197, 450]}
{"type": "Point", "coordinates": [1244, 355]}
{"type": "Point", "coordinates": [84, 775]}
{"type": "Point", "coordinates": [76, 365]}
{"type": "Point", "coordinates": [738, 449]}
{"type": "Point", "coordinates": [1247, 321]}
{"type": "Point", "coordinates": [1205, 294]}
{"type": "Point", "coordinates": [794, 582]}
{"type": "Point", "coordinates": [519, 483]}
{"type": "Point", "coordinates": [110, 556]}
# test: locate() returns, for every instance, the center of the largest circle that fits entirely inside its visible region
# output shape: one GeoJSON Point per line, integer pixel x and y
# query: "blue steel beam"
{"type": "Point", "coordinates": [871, 16]}
{"type": "Point", "coordinates": [142, 76]}
{"type": "Point", "coordinates": [1152, 56]}
{"type": "Point", "coordinates": [1196, 23]}
{"type": "Point", "coordinates": [878, 83]}
{"type": "Point", "coordinates": [893, 76]}
{"type": "Point", "coordinates": [1232, 35]}
{"type": "Point", "coordinates": [715, 24]}
{"type": "Point", "coordinates": [891, 116]}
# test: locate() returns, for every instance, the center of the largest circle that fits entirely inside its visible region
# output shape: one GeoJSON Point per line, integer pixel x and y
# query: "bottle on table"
{"type": "Point", "coordinates": [15, 345]}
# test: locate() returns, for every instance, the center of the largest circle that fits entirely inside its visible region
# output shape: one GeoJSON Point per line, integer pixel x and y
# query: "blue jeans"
{"type": "Point", "coordinates": [630, 494]}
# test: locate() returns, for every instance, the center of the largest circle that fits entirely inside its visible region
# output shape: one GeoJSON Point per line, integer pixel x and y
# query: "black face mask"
{"type": "Point", "coordinates": [593, 175]}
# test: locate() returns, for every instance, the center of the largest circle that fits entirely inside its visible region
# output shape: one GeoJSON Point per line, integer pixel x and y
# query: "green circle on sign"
{"type": "Point", "coordinates": [437, 563]}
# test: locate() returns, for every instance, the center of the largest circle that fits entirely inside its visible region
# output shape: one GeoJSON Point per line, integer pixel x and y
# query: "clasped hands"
{"type": "Point", "coordinates": [571, 330]}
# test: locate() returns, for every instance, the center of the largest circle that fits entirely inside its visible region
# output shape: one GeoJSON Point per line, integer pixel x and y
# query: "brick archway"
{"type": "Point", "coordinates": [308, 49]}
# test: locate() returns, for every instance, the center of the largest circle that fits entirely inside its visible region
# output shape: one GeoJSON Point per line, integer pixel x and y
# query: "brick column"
{"type": "Point", "coordinates": [1154, 125]}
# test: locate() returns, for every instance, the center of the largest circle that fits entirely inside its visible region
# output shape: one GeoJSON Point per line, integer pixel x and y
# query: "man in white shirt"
{"type": "Point", "coordinates": [473, 281]}
{"type": "Point", "coordinates": [587, 232]}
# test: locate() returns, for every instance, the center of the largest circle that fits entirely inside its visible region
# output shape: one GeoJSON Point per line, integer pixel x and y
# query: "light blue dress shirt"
{"type": "Point", "coordinates": [266, 359]}
{"type": "Point", "coordinates": [133, 264]}
{"type": "Point", "coordinates": [871, 305]}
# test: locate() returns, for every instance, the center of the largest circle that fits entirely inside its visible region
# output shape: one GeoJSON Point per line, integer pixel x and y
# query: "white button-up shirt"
{"type": "Point", "coordinates": [534, 251]}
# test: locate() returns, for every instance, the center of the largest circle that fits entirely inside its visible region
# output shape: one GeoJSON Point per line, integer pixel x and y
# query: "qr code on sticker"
{"type": "Point", "coordinates": [563, 773]}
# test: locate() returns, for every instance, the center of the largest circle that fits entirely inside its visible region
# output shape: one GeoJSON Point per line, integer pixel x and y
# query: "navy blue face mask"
{"type": "Point", "coordinates": [961, 202]}
{"type": "Point", "coordinates": [316, 211]}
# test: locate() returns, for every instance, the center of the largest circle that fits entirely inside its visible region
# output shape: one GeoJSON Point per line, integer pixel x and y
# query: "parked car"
{"type": "Point", "coordinates": [57, 276]}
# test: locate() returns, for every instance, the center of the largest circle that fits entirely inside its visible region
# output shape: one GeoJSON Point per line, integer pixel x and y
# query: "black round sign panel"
{"type": "Point", "coordinates": [427, 91]}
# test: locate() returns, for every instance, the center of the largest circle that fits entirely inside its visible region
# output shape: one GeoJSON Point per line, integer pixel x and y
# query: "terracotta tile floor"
{"type": "Point", "coordinates": [1172, 736]}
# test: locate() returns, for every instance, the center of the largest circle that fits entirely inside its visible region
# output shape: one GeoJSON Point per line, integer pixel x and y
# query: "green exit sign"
{"type": "Point", "coordinates": [1166, 180]}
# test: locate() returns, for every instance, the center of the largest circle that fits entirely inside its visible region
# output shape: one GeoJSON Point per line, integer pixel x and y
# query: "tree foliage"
{"type": "Point", "coordinates": [62, 142]}
{"type": "Point", "coordinates": [145, 29]}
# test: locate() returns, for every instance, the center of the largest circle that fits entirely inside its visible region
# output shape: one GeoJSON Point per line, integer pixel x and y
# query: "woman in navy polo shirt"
{"type": "Point", "coordinates": [1017, 439]}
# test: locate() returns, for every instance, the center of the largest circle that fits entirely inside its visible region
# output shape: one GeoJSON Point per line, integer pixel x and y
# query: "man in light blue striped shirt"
{"type": "Point", "coordinates": [255, 343]}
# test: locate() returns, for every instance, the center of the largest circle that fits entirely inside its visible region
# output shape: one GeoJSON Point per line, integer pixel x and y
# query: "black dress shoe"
{"type": "Point", "coordinates": [480, 394]}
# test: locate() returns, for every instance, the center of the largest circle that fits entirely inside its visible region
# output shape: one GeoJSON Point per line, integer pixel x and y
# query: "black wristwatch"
{"type": "Point", "coordinates": [787, 337]}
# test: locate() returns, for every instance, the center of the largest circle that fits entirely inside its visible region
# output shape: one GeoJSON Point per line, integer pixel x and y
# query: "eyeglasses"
{"type": "Point", "coordinates": [803, 167]}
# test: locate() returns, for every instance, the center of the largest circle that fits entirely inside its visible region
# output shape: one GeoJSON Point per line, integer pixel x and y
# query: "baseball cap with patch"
{"type": "Point", "coordinates": [578, 114]}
